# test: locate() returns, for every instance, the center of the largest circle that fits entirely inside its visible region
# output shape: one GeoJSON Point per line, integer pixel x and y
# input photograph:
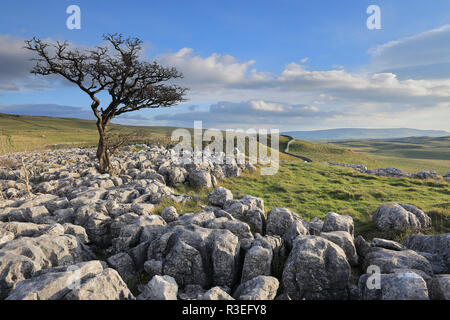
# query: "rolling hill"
{"type": "Point", "coordinates": [359, 133]}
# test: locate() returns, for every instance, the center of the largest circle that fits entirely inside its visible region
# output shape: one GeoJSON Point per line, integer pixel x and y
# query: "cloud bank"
{"type": "Point", "coordinates": [409, 85]}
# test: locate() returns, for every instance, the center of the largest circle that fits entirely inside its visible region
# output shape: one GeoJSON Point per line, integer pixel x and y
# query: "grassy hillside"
{"type": "Point", "coordinates": [411, 154]}
{"type": "Point", "coordinates": [313, 189]}
{"type": "Point", "coordinates": [362, 133]}
{"type": "Point", "coordinates": [24, 133]}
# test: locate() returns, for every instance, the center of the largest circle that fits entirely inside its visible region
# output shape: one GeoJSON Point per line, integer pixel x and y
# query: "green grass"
{"type": "Point", "coordinates": [313, 189]}
{"type": "Point", "coordinates": [407, 154]}
{"type": "Point", "coordinates": [27, 133]}
{"type": "Point", "coordinates": [411, 154]}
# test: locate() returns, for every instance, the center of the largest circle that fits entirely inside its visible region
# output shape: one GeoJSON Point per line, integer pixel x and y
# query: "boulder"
{"type": "Point", "coordinates": [197, 255]}
{"type": "Point", "coordinates": [337, 222]}
{"type": "Point", "coordinates": [388, 260]}
{"type": "Point", "coordinates": [297, 228]}
{"type": "Point", "coordinates": [257, 262]}
{"type": "Point", "coordinates": [396, 286]}
{"type": "Point", "coordinates": [216, 293]}
{"type": "Point", "coordinates": [259, 288]}
{"type": "Point", "coordinates": [279, 220]}
{"type": "Point", "coordinates": [21, 258]}
{"type": "Point", "coordinates": [123, 263]}
{"type": "Point", "coordinates": [315, 226]}
{"type": "Point", "coordinates": [219, 196]}
{"type": "Point", "coordinates": [440, 287]}
{"type": "Point", "coordinates": [160, 288]}
{"type": "Point", "coordinates": [200, 178]}
{"type": "Point", "coordinates": [107, 285]}
{"type": "Point", "coordinates": [434, 244]}
{"type": "Point", "coordinates": [316, 269]}
{"type": "Point", "coordinates": [55, 283]}
{"type": "Point", "coordinates": [169, 214]}
{"type": "Point", "coordinates": [345, 241]}
{"type": "Point", "coordinates": [387, 244]}
{"type": "Point", "coordinates": [400, 217]}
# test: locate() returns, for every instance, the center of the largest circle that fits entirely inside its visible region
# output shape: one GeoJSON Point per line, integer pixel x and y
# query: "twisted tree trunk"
{"type": "Point", "coordinates": [102, 149]}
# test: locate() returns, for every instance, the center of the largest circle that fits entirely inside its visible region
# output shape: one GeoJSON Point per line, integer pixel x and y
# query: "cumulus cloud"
{"type": "Point", "coordinates": [213, 71]}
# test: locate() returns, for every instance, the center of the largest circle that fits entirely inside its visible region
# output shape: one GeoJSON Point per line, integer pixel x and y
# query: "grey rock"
{"type": "Point", "coordinates": [76, 231]}
{"type": "Point", "coordinates": [200, 178]}
{"type": "Point", "coordinates": [21, 258]}
{"type": "Point", "coordinates": [396, 286]}
{"type": "Point", "coordinates": [387, 244]}
{"type": "Point", "coordinates": [257, 262]}
{"type": "Point", "coordinates": [55, 283]}
{"type": "Point", "coordinates": [192, 292]}
{"type": "Point", "coordinates": [400, 217]}
{"type": "Point", "coordinates": [160, 288]}
{"type": "Point", "coordinates": [219, 196]}
{"type": "Point", "coordinates": [153, 267]}
{"type": "Point", "coordinates": [196, 255]}
{"type": "Point", "coordinates": [297, 228]}
{"type": "Point", "coordinates": [216, 293]}
{"type": "Point", "coordinates": [279, 220]}
{"type": "Point", "coordinates": [435, 244]}
{"type": "Point", "coordinates": [169, 214]}
{"type": "Point", "coordinates": [362, 247]}
{"type": "Point", "coordinates": [345, 241]}
{"type": "Point", "coordinates": [388, 260]}
{"type": "Point", "coordinates": [107, 285]}
{"type": "Point", "coordinates": [316, 269]}
{"type": "Point", "coordinates": [440, 287]}
{"type": "Point", "coordinates": [259, 288]}
{"type": "Point", "coordinates": [123, 263]}
{"type": "Point", "coordinates": [337, 222]}
{"type": "Point", "coordinates": [315, 226]}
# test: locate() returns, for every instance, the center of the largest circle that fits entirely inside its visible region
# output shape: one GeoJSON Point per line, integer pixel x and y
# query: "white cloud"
{"type": "Point", "coordinates": [213, 71]}
{"type": "Point", "coordinates": [424, 55]}
{"type": "Point", "coordinates": [304, 60]}
{"type": "Point", "coordinates": [324, 97]}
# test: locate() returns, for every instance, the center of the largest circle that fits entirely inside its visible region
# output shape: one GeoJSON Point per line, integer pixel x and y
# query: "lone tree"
{"type": "Point", "coordinates": [114, 67]}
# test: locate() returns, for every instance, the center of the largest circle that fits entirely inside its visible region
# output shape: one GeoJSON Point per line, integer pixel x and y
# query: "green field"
{"type": "Point", "coordinates": [310, 189]}
{"type": "Point", "coordinates": [26, 133]}
{"type": "Point", "coordinates": [408, 154]}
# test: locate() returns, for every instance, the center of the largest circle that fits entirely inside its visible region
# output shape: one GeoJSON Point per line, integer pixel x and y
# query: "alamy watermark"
{"type": "Point", "coordinates": [374, 20]}
{"type": "Point", "coordinates": [251, 146]}
{"type": "Point", "coordinates": [74, 20]}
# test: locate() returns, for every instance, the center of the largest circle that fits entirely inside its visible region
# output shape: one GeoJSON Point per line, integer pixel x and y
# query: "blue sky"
{"type": "Point", "coordinates": [286, 64]}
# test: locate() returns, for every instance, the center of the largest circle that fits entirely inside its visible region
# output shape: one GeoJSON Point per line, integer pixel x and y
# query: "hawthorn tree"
{"type": "Point", "coordinates": [115, 68]}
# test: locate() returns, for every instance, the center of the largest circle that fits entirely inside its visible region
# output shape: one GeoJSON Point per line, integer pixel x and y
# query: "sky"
{"type": "Point", "coordinates": [290, 65]}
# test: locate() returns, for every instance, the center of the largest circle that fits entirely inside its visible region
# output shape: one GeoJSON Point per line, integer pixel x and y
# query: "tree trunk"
{"type": "Point", "coordinates": [102, 149]}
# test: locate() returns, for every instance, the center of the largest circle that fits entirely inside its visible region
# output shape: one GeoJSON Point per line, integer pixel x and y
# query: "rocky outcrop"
{"type": "Point", "coordinates": [259, 288]}
{"type": "Point", "coordinates": [316, 269]}
{"type": "Point", "coordinates": [397, 286]}
{"type": "Point", "coordinates": [391, 172]}
{"type": "Point", "coordinates": [337, 222]}
{"type": "Point", "coordinates": [399, 216]}
{"type": "Point", "coordinates": [229, 249]}
{"type": "Point", "coordinates": [160, 288]}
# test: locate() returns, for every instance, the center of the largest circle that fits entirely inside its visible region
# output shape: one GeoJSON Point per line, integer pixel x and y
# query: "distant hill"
{"type": "Point", "coordinates": [359, 133]}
